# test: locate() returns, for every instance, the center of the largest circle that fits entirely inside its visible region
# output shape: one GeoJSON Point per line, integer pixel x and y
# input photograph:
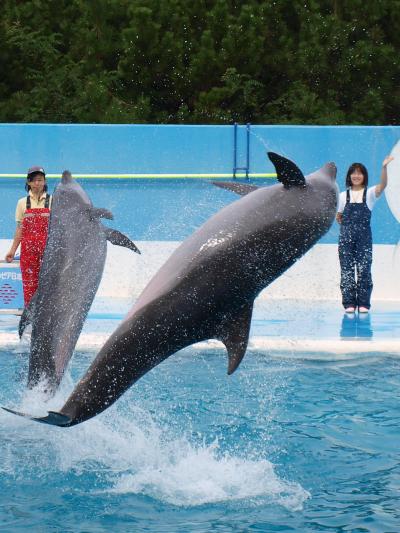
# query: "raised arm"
{"type": "Point", "coordinates": [382, 184]}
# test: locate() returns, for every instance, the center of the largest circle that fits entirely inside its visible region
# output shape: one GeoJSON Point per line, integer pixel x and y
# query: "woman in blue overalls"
{"type": "Point", "coordinates": [355, 241]}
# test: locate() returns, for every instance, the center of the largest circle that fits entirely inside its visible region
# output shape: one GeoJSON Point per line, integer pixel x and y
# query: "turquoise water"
{"type": "Point", "coordinates": [285, 444]}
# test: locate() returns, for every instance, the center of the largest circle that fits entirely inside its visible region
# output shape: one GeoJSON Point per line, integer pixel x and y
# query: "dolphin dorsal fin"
{"type": "Point", "coordinates": [238, 188]}
{"type": "Point", "coordinates": [288, 173]}
{"type": "Point", "coordinates": [234, 333]}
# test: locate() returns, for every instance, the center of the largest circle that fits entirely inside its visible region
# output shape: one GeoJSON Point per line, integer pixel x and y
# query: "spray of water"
{"type": "Point", "coordinates": [130, 449]}
{"type": "Point", "coordinates": [268, 146]}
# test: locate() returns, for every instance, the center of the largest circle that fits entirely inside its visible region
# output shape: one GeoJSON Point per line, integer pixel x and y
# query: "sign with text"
{"type": "Point", "coordinates": [11, 293]}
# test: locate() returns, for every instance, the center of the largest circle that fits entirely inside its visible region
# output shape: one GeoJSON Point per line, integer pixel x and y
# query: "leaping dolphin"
{"type": "Point", "coordinates": [69, 277]}
{"type": "Point", "coordinates": [206, 289]}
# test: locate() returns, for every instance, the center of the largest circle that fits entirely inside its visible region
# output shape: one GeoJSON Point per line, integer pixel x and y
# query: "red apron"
{"type": "Point", "coordinates": [33, 241]}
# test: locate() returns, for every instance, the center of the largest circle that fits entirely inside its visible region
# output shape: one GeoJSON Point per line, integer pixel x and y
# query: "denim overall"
{"type": "Point", "coordinates": [355, 253]}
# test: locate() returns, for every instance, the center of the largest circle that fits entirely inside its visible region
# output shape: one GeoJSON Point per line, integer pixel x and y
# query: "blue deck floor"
{"type": "Point", "coordinates": [326, 320]}
{"type": "Point", "coordinates": [278, 325]}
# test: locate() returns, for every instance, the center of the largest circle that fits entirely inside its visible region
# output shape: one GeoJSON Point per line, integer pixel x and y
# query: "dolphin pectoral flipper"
{"type": "Point", "coordinates": [100, 212]}
{"type": "Point", "coordinates": [119, 239]}
{"type": "Point", "coordinates": [288, 173]}
{"type": "Point", "coordinates": [234, 334]}
{"type": "Point", "coordinates": [238, 188]}
{"type": "Point", "coordinates": [53, 418]}
{"type": "Point", "coordinates": [27, 314]}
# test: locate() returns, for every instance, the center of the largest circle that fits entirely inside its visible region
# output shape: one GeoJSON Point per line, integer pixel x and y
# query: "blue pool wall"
{"type": "Point", "coordinates": [160, 213]}
{"type": "Point", "coordinates": [184, 151]}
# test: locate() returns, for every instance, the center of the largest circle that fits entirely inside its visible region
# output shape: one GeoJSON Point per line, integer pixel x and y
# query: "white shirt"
{"type": "Point", "coordinates": [356, 198]}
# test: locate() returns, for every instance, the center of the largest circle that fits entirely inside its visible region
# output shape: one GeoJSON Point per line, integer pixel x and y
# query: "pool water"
{"type": "Point", "coordinates": [287, 443]}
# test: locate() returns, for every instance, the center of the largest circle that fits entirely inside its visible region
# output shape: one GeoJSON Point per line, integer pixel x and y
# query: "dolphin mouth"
{"type": "Point", "coordinates": [66, 177]}
{"type": "Point", "coordinates": [331, 170]}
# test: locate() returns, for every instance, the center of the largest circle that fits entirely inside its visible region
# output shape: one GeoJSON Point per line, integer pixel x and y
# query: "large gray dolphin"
{"type": "Point", "coordinates": [70, 274]}
{"type": "Point", "coordinates": [206, 289]}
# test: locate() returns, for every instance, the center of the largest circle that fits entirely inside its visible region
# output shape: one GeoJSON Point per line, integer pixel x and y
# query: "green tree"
{"type": "Point", "coordinates": [209, 61]}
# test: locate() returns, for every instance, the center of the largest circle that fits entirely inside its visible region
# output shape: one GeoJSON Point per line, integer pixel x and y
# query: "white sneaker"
{"type": "Point", "coordinates": [363, 310]}
{"type": "Point", "coordinates": [350, 310]}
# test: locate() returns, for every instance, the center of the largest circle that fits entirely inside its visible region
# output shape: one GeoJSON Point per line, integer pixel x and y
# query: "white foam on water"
{"type": "Point", "coordinates": [185, 475]}
{"type": "Point", "coordinates": [142, 457]}
{"type": "Point", "coordinates": [133, 453]}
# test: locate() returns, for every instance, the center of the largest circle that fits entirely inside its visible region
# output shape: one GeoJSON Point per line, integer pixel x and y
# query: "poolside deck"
{"type": "Point", "coordinates": [296, 326]}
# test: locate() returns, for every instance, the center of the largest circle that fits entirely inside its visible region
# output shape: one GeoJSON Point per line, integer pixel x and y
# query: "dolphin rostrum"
{"type": "Point", "coordinates": [206, 289]}
{"type": "Point", "coordinates": [69, 277]}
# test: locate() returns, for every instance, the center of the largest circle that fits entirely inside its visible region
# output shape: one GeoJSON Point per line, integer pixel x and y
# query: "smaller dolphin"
{"type": "Point", "coordinates": [206, 289]}
{"type": "Point", "coordinates": [70, 274]}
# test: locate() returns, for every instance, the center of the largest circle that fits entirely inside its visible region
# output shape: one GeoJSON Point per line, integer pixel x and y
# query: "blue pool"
{"type": "Point", "coordinates": [303, 437]}
{"type": "Point", "coordinates": [293, 441]}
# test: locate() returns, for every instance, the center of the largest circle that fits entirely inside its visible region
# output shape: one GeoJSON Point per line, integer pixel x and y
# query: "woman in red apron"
{"type": "Point", "coordinates": [32, 216]}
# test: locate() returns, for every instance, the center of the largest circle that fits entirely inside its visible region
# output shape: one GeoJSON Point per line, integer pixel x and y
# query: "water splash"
{"type": "Point", "coordinates": [268, 146]}
{"type": "Point", "coordinates": [186, 475]}
{"type": "Point", "coordinates": [129, 449]}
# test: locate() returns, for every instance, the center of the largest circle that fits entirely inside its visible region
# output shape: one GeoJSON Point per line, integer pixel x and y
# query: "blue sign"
{"type": "Point", "coordinates": [11, 292]}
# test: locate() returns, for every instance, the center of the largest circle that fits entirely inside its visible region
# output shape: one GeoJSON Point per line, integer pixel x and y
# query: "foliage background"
{"type": "Point", "coordinates": [200, 61]}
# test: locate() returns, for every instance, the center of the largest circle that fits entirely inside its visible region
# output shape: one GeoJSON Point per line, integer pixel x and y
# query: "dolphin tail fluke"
{"type": "Point", "coordinates": [119, 239]}
{"type": "Point", "coordinates": [27, 315]}
{"type": "Point", "coordinates": [53, 418]}
{"type": "Point", "coordinates": [24, 321]}
{"type": "Point", "coordinates": [235, 336]}
{"type": "Point", "coordinates": [288, 173]}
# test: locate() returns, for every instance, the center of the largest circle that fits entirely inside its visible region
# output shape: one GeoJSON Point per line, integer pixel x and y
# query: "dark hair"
{"type": "Point", "coordinates": [30, 178]}
{"type": "Point", "coordinates": [362, 169]}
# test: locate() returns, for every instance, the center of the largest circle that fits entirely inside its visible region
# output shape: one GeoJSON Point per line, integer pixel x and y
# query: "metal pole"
{"type": "Point", "coordinates": [234, 149]}
{"type": "Point", "coordinates": [248, 150]}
